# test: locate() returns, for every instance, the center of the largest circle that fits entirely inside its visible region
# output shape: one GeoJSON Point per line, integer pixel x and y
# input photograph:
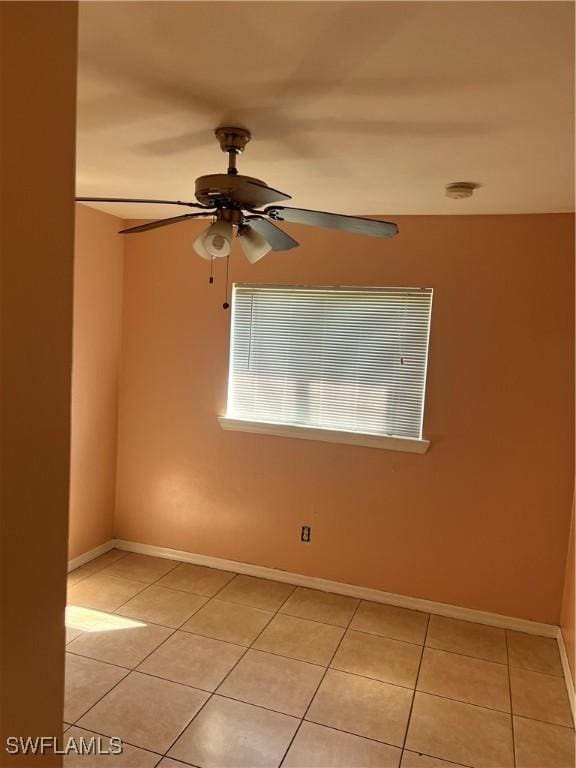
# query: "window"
{"type": "Point", "coordinates": [346, 364]}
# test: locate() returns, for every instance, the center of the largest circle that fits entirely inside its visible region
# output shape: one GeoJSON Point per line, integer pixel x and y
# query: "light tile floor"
{"type": "Point", "coordinates": [193, 666]}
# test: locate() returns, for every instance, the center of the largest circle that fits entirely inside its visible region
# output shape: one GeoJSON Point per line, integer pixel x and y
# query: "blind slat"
{"type": "Point", "coordinates": [333, 358]}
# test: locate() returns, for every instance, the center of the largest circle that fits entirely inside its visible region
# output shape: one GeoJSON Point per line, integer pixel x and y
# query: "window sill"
{"type": "Point", "coordinates": [404, 444]}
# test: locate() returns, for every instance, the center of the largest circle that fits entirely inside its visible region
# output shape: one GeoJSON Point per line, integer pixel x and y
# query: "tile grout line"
{"type": "Point", "coordinates": [291, 658]}
{"type": "Point", "coordinates": [174, 630]}
{"type": "Point", "coordinates": [465, 655]}
{"type": "Point", "coordinates": [210, 694]}
{"type": "Point", "coordinates": [369, 594]}
{"type": "Point", "coordinates": [209, 598]}
{"type": "Point", "coordinates": [510, 695]}
{"type": "Point", "coordinates": [129, 670]}
{"type": "Point", "coordinates": [145, 657]}
{"type": "Point", "coordinates": [246, 649]}
{"type": "Point", "coordinates": [346, 628]}
{"type": "Point", "coordinates": [90, 708]}
{"type": "Point", "coordinates": [258, 706]}
{"type": "Point", "coordinates": [366, 632]}
{"type": "Point", "coordinates": [107, 736]}
{"type": "Point", "coordinates": [97, 570]}
{"type": "Point", "coordinates": [278, 612]}
{"type": "Point", "coordinates": [435, 757]}
{"type": "Point", "coordinates": [180, 628]}
{"type": "Point", "coordinates": [114, 611]}
{"type": "Point", "coordinates": [415, 687]}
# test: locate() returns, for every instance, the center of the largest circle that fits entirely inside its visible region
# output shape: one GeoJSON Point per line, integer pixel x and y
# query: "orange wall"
{"type": "Point", "coordinates": [96, 361]}
{"type": "Point", "coordinates": [38, 114]}
{"type": "Point", "coordinates": [478, 521]}
{"type": "Point", "coordinates": [569, 604]}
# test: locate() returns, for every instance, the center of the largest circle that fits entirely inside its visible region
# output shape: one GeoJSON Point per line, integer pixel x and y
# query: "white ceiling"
{"type": "Point", "coordinates": [354, 107]}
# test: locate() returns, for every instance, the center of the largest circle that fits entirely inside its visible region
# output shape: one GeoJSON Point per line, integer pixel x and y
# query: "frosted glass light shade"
{"type": "Point", "coordinates": [253, 244]}
{"type": "Point", "coordinates": [214, 242]}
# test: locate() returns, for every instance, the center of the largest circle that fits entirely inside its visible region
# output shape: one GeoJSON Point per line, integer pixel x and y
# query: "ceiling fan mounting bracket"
{"type": "Point", "coordinates": [232, 139]}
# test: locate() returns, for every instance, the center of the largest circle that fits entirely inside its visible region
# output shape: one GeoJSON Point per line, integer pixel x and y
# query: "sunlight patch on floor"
{"type": "Point", "coordinates": [90, 620]}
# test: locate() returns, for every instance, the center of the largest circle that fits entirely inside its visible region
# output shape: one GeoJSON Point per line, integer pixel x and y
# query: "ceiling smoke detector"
{"type": "Point", "coordinates": [460, 189]}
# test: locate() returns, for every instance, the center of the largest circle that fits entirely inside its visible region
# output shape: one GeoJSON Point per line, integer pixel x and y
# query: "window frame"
{"type": "Point", "coordinates": [388, 442]}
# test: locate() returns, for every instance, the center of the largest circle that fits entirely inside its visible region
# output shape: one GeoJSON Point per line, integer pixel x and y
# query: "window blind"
{"type": "Point", "coordinates": [337, 358]}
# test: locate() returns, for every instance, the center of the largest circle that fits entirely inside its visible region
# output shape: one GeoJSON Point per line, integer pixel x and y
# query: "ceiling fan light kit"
{"type": "Point", "coordinates": [243, 203]}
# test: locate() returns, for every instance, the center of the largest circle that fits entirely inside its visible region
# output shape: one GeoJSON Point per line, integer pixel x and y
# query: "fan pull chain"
{"type": "Point", "coordinates": [226, 304]}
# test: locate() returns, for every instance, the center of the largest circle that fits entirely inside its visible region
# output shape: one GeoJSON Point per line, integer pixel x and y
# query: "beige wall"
{"type": "Point", "coordinates": [96, 360]}
{"type": "Point", "coordinates": [478, 521]}
{"type": "Point", "coordinates": [569, 604]}
{"type": "Point", "coordinates": [38, 113]}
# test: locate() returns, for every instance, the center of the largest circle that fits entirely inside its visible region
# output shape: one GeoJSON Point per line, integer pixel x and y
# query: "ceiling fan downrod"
{"type": "Point", "coordinates": [232, 170]}
{"type": "Point", "coordinates": [233, 141]}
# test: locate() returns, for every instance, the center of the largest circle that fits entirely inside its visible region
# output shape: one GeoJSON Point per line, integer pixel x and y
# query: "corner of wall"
{"type": "Point", "coordinates": [124, 224]}
{"type": "Point", "coordinates": [568, 616]}
{"type": "Point", "coordinates": [97, 331]}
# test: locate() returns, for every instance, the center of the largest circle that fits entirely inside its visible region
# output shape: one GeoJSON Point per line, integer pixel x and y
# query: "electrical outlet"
{"type": "Point", "coordinates": [305, 534]}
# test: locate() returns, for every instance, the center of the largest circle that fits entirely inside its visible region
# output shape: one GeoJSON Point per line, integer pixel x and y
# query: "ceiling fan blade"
{"type": "Point", "coordinates": [171, 145]}
{"type": "Point", "coordinates": [162, 223]}
{"type": "Point", "coordinates": [277, 238]}
{"type": "Point", "coordinates": [252, 195]}
{"type": "Point", "coordinates": [135, 200]}
{"type": "Point", "coordinates": [357, 224]}
{"type": "Point", "coordinates": [355, 31]}
{"type": "Point", "coordinates": [417, 128]}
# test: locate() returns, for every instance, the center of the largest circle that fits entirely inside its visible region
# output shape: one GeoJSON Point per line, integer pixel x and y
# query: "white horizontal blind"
{"type": "Point", "coordinates": [350, 359]}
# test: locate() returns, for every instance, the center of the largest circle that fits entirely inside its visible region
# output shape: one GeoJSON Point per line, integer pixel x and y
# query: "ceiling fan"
{"type": "Point", "coordinates": [237, 201]}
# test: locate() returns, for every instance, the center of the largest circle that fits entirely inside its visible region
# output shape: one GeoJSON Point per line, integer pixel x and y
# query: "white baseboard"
{"type": "Point", "coordinates": [90, 555]}
{"type": "Point", "coordinates": [351, 590]}
{"type": "Point", "coordinates": [566, 669]}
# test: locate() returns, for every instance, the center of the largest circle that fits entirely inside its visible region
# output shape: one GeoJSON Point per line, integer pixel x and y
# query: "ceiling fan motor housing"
{"type": "Point", "coordinates": [218, 189]}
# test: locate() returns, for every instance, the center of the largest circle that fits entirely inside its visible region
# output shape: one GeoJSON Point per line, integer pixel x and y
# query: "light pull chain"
{"type": "Point", "coordinates": [226, 304]}
{"type": "Point", "coordinates": [211, 278]}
